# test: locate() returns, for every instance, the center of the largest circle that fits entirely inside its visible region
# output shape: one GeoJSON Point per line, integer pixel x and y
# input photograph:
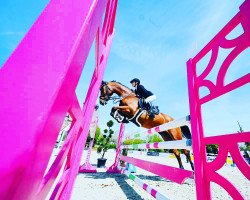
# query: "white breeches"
{"type": "Point", "coordinates": [150, 99]}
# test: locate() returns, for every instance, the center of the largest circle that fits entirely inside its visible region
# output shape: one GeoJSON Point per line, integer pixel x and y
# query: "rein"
{"type": "Point", "coordinates": [115, 99]}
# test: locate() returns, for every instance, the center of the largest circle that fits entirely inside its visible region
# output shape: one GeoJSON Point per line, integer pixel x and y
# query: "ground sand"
{"type": "Point", "coordinates": [100, 185]}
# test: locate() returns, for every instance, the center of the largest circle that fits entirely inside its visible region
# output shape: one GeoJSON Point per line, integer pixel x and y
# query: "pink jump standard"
{"type": "Point", "coordinates": [37, 89]}
{"type": "Point", "coordinates": [87, 167]}
{"type": "Point", "coordinates": [205, 172]}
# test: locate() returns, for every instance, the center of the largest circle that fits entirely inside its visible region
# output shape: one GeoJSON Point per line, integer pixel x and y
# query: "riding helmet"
{"type": "Point", "coordinates": [135, 80]}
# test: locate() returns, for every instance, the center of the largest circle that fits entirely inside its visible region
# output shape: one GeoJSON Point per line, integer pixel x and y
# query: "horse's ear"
{"type": "Point", "coordinates": [104, 83]}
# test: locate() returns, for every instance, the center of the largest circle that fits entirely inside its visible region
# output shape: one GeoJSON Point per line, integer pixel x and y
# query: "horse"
{"type": "Point", "coordinates": [129, 107]}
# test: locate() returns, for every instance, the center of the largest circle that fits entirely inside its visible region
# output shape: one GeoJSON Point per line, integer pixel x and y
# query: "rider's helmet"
{"type": "Point", "coordinates": [136, 80]}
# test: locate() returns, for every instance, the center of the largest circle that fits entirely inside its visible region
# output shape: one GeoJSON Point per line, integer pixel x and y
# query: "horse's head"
{"type": "Point", "coordinates": [105, 94]}
{"type": "Point", "coordinates": [112, 87]}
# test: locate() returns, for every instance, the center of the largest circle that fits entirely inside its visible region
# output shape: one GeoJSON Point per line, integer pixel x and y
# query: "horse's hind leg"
{"type": "Point", "coordinates": [187, 153]}
{"type": "Point", "coordinates": [177, 155]}
{"type": "Point", "coordinates": [170, 135]}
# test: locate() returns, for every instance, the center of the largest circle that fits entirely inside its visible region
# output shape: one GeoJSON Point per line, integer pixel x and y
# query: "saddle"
{"type": "Point", "coordinates": [151, 109]}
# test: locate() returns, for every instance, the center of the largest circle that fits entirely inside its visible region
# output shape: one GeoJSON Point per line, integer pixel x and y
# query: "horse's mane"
{"type": "Point", "coordinates": [122, 85]}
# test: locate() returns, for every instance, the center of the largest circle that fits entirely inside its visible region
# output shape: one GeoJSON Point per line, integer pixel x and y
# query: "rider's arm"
{"type": "Point", "coordinates": [145, 93]}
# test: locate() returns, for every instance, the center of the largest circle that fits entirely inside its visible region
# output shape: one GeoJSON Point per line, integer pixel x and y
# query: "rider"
{"type": "Point", "coordinates": [141, 92]}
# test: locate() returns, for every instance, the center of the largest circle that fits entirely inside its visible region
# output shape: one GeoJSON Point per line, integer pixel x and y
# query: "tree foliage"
{"type": "Point", "coordinates": [97, 136]}
{"type": "Point", "coordinates": [97, 133]}
{"type": "Point", "coordinates": [104, 140]}
{"type": "Point", "coordinates": [134, 141]}
{"type": "Point", "coordinates": [247, 144]}
{"type": "Point", "coordinates": [155, 138]}
{"type": "Point", "coordinates": [212, 148]}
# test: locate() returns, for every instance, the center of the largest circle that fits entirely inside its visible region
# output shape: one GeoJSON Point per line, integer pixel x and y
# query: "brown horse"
{"type": "Point", "coordinates": [128, 107]}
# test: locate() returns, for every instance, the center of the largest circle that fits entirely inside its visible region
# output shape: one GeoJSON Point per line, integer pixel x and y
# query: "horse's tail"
{"type": "Point", "coordinates": [186, 132]}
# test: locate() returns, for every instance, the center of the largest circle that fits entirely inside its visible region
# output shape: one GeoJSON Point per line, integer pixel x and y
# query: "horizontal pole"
{"type": "Point", "coordinates": [177, 144]}
{"type": "Point", "coordinates": [185, 121]}
{"type": "Point", "coordinates": [171, 173]}
{"type": "Point", "coordinates": [157, 195]}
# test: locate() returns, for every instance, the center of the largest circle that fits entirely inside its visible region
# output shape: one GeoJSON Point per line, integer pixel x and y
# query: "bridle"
{"type": "Point", "coordinates": [108, 95]}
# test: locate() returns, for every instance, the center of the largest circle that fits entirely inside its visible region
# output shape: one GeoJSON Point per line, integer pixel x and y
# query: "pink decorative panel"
{"type": "Point", "coordinates": [205, 172]}
{"type": "Point", "coordinates": [37, 89]}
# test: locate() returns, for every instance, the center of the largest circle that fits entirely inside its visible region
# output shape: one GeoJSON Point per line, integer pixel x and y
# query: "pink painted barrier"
{"type": "Point", "coordinates": [37, 89]}
{"type": "Point", "coordinates": [171, 173]}
{"type": "Point", "coordinates": [205, 172]}
{"type": "Point", "coordinates": [113, 168]}
{"type": "Point", "coordinates": [87, 167]}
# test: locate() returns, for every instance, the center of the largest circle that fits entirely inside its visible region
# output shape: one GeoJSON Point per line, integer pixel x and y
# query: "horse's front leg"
{"type": "Point", "coordinates": [122, 109]}
{"type": "Point", "coordinates": [119, 113]}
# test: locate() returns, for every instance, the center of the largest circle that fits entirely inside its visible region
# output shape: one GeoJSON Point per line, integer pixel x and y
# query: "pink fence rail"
{"type": "Point", "coordinates": [171, 173]}
{"type": "Point", "coordinates": [37, 89]}
{"type": "Point", "coordinates": [205, 172]}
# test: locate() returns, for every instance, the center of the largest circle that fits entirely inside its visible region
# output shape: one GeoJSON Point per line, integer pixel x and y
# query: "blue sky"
{"type": "Point", "coordinates": [153, 40]}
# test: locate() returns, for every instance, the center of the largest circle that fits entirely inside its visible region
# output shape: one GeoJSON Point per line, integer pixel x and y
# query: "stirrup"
{"type": "Point", "coordinates": [155, 110]}
{"type": "Point", "coordinates": [151, 116]}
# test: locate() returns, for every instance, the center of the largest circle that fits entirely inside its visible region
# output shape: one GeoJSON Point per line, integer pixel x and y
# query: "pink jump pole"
{"type": "Point", "coordinates": [37, 89]}
{"type": "Point", "coordinates": [104, 37]}
{"type": "Point", "coordinates": [171, 173]}
{"type": "Point", "coordinates": [87, 167]}
{"type": "Point", "coordinates": [113, 168]}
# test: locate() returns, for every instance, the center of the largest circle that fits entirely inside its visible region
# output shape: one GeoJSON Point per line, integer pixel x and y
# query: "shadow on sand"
{"type": "Point", "coordinates": [121, 181]}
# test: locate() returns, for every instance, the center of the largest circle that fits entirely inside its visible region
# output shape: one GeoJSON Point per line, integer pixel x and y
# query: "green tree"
{"type": "Point", "coordinates": [212, 148]}
{"type": "Point", "coordinates": [247, 144]}
{"type": "Point", "coordinates": [154, 138]}
{"type": "Point", "coordinates": [110, 123]}
{"type": "Point", "coordinates": [97, 134]}
{"type": "Point", "coordinates": [134, 141]}
{"type": "Point", "coordinates": [105, 141]}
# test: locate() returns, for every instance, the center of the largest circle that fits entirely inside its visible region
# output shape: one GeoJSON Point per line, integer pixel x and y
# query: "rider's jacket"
{"type": "Point", "coordinates": [142, 92]}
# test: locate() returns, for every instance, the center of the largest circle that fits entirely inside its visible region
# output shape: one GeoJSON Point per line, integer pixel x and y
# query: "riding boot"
{"type": "Point", "coordinates": [150, 109]}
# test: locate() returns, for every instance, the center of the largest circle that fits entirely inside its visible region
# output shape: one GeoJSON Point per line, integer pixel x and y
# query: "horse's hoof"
{"type": "Point", "coordinates": [181, 167]}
